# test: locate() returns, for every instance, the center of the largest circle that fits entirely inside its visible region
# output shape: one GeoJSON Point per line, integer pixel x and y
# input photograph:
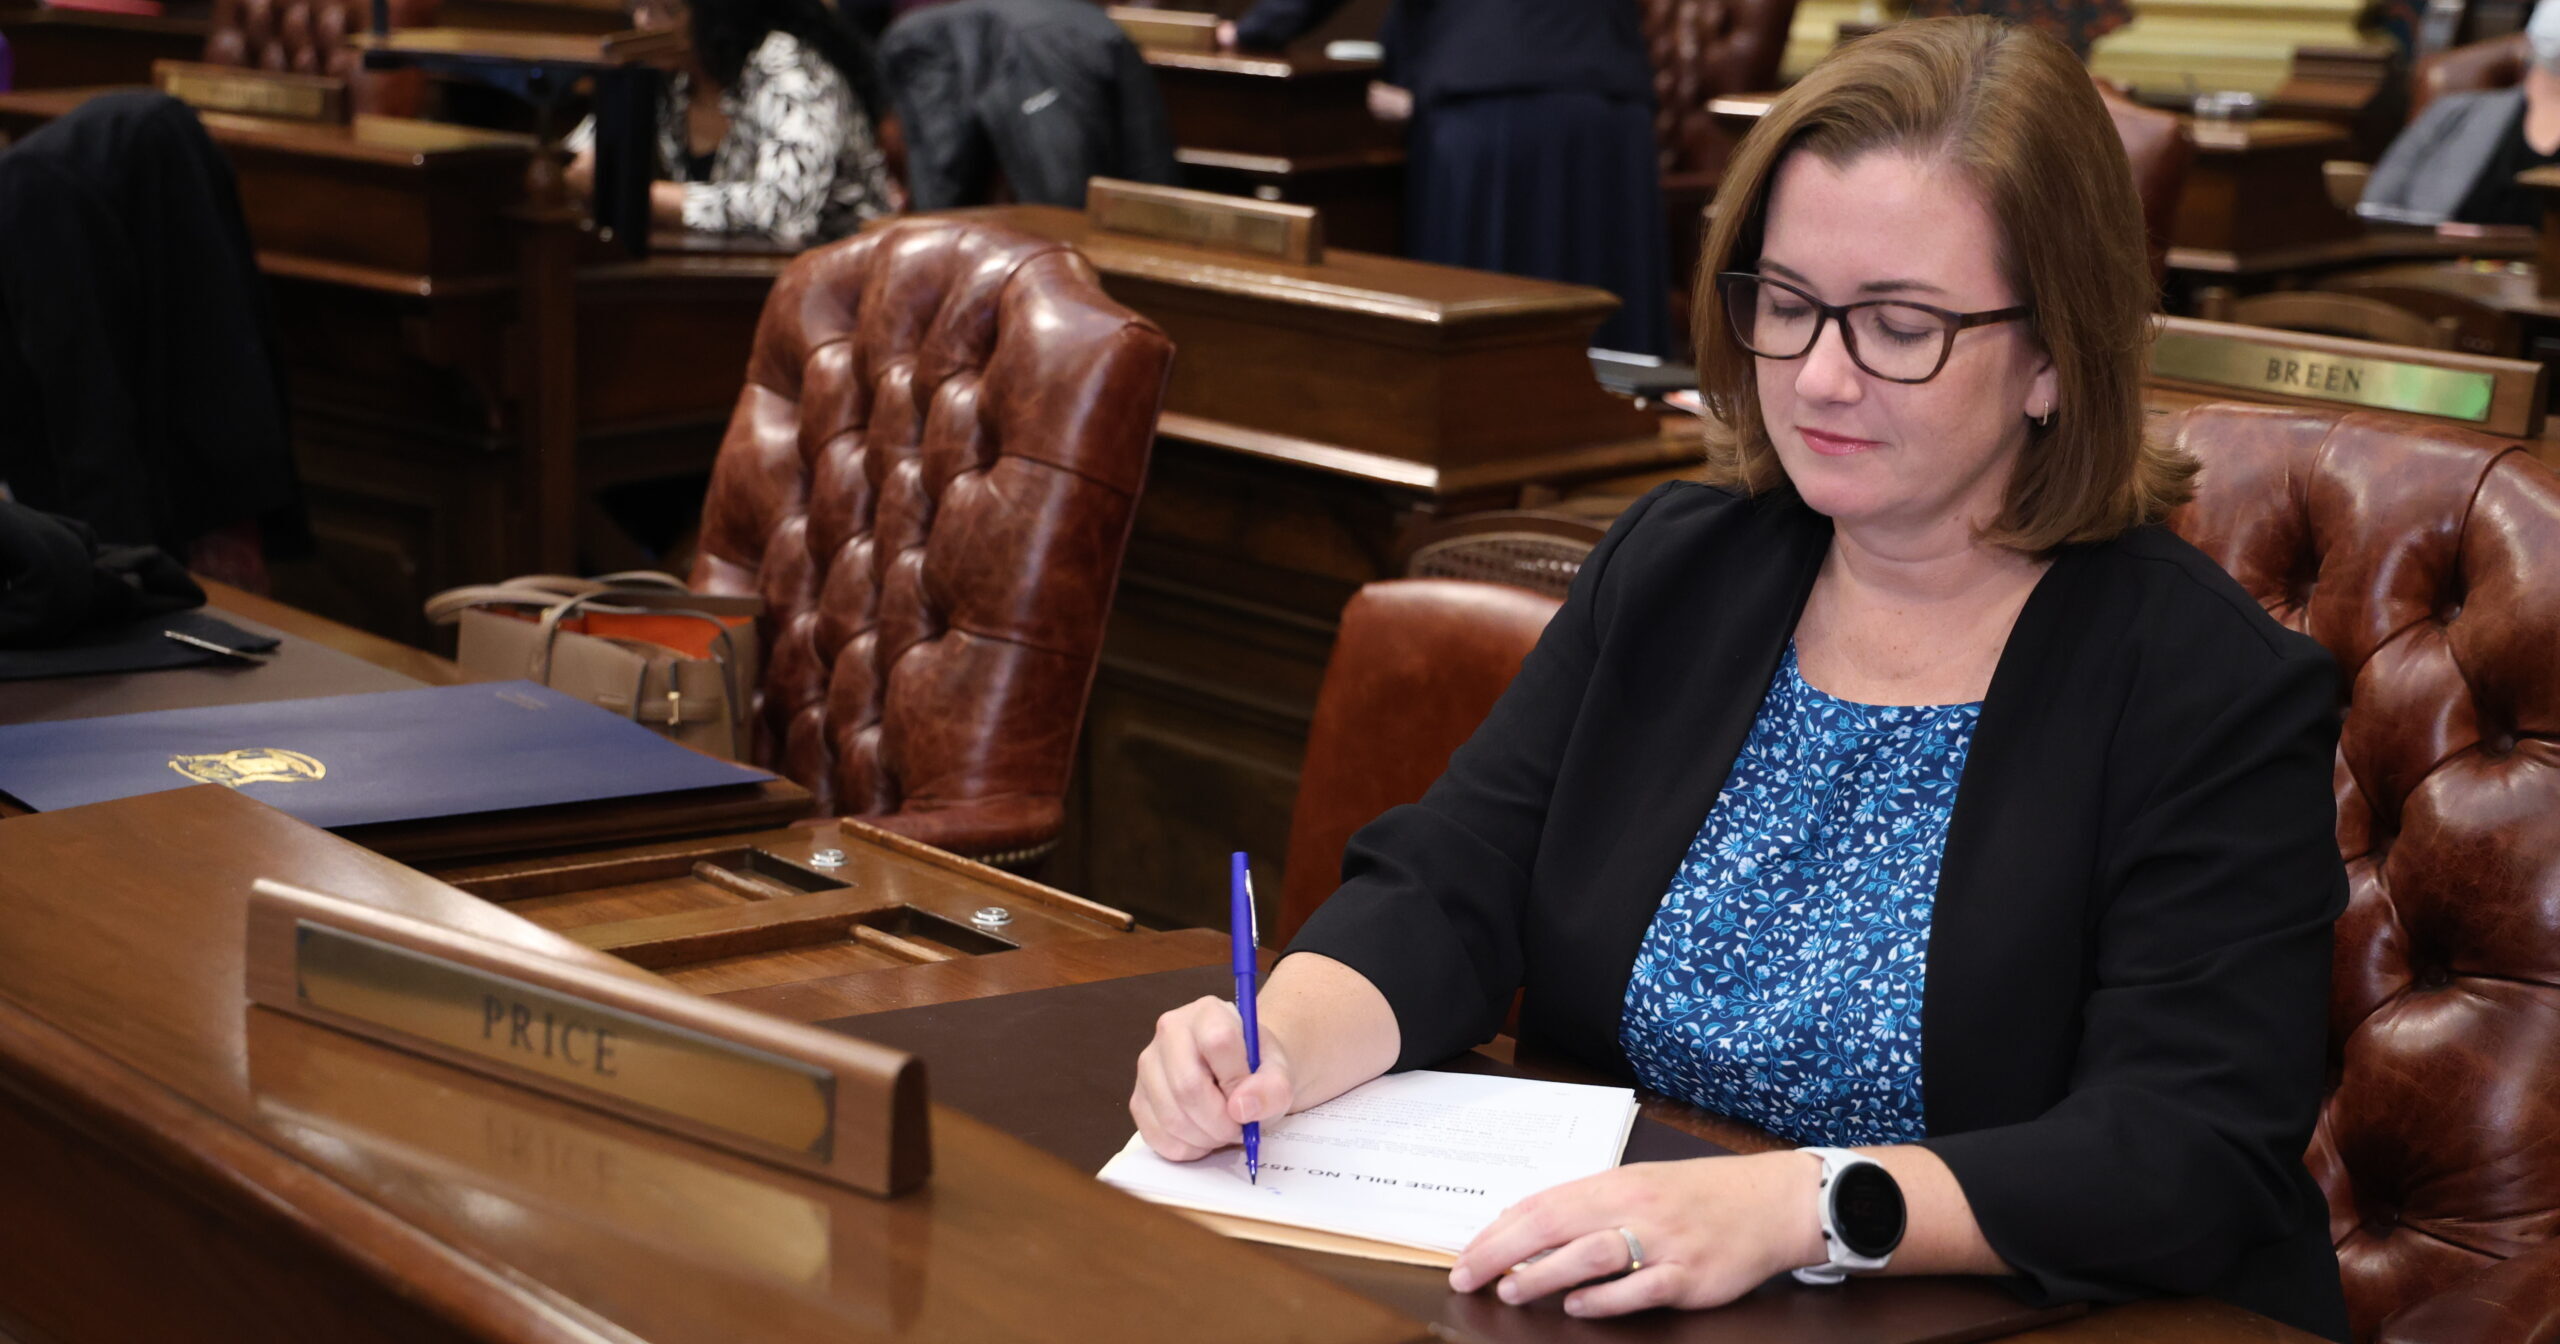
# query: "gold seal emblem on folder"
{"type": "Point", "coordinates": [244, 766]}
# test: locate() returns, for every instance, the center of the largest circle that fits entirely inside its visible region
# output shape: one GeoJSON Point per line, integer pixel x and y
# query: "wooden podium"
{"type": "Point", "coordinates": [1292, 128]}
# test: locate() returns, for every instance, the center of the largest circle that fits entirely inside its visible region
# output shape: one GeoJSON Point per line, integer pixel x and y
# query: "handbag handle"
{"type": "Point", "coordinates": [447, 607]}
{"type": "Point", "coordinates": [638, 578]}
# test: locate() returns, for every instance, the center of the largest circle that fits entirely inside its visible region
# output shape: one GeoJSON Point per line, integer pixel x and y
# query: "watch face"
{"type": "Point", "coordinates": [1866, 1207]}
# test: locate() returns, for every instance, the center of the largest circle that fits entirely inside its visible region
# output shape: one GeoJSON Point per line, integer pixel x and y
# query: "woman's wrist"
{"type": "Point", "coordinates": [1796, 1236]}
{"type": "Point", "coordinates": [1332, 1026]}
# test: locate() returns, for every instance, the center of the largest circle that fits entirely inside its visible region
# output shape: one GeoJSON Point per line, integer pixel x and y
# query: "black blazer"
{"type": "Point", "coordinates": [2123, 1032]}
{"type": "Point", "coordinates": [1457, 48]}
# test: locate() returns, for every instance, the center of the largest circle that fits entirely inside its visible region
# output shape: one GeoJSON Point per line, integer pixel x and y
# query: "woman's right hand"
{"type": "Point", "coordinates": [1194, 1095]}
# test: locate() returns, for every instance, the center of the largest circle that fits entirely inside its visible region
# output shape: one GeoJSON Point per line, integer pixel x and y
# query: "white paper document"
{"type": "Point", "coordinates": [1421, 1160]}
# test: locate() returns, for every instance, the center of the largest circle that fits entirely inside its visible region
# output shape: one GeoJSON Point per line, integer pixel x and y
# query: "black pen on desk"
{"type": "Point", "coordinates": [1240, 932]}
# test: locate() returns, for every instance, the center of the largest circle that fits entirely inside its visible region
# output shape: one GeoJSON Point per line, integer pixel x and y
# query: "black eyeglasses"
{"type": "Point", "coordinates": [1894, 339]}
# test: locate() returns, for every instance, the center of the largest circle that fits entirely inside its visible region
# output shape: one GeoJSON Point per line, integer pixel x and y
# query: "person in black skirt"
{"type": "Point", "coordinates": [1531, 144]}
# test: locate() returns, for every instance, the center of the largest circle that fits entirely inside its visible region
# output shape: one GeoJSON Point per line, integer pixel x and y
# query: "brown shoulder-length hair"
{"type": "Point", "coordinates": [2012, 113]}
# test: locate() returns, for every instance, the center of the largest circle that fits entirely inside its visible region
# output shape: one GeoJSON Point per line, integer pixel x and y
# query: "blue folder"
{"type": "Point", "coordinates": [352, 760]}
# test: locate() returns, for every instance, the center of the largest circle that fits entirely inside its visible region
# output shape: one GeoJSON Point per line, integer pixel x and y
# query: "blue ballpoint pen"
{"type": "Point", "coordinates": [1240, 931]}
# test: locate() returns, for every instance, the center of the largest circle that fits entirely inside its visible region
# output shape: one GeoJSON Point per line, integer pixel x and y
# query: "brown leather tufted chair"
{"type": "Point", "coordinates": [1417, 665]}
{"type": "Point", "coordinates": [2498, 63]}
{"type": "Point", "coordinates": [308, 37]}
{"type": "Point", "coordinates": [930, 479]}
{"type": "Point", "coordinates": [2428, 561]}
{"type": "Point", "coordinates": [1702, 49]}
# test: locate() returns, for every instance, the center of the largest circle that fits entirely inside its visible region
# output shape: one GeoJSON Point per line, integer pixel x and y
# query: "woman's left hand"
{"type": "Point", "coordinates": [1712, 1229]}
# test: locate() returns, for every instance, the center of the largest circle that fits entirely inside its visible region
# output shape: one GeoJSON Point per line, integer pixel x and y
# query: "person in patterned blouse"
{"type": "Point", "coordinates": [769, 128]}
{"type": "Point", "coordinates": [1905, 788]}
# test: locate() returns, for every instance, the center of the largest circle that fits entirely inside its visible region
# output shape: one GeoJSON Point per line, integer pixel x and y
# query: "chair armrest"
{"type": "Point", "coordinates": [991, 830]}
{"type": "Point", "coordinates": [2346, 181]}
{"type": "Point", "coordinates": [2516, 1301]}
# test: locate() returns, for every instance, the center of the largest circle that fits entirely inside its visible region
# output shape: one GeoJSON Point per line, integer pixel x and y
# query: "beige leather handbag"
{"type": "Point", "coordinates": [637, 643]}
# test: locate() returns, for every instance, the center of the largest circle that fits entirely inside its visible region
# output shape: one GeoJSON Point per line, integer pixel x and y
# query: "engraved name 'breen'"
{"type": "Point", "coordinates": [514, 1026]}
{"type": "Point", "coordinates": [2314, 376]}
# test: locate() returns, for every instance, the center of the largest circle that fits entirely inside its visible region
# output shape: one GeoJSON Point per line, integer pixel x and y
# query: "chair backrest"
{"type": "Point", "coordinates": [2498, 63]}
{"type": "Point", "coordinates": [2160, 148]}
{"type": "Point", "coordinates": [1417, 665]}
{"type": "Point", "coordinates": [1524, 548]}
{"type": "Point", "coordinates": [930, 478]}
{"type": "Point", "coordinates": [309, 37]}
{"type": "Point", "coordinates": [2427, 560]}
{"type": "Point", "coordinates": [2364, 317]}
{"type": "Point", "coordinates": [1702, 48]}
{"type": "Point", "coordinates": [2475, 327]}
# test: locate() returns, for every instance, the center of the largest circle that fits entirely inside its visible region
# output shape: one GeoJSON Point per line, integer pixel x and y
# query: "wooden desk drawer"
{"type": "Point", "coordinates": [726, 913]}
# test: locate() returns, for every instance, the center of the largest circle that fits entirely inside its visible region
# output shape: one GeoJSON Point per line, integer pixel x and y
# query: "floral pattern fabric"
{"type": "Point", "coordinates": [800, 163]}
{"type": "Point", "coordinates": [1781, 979]}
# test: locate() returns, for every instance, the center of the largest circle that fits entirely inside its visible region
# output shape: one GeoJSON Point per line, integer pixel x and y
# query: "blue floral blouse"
{"type": "Point", "coordinates": [1781, 979]}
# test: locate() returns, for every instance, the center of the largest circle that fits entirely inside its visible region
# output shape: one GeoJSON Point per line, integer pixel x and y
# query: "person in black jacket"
{"type": "Point", "coordinates": [1531, 149]}
{"type": "Point", "coordinates": [1910, 789]}
{"type": "Point", "coordinates": [1042, 94]}
{"type": "Point", "coordinates": [141, 382]}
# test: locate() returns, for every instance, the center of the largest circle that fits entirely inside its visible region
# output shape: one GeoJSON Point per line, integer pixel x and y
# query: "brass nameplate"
{"type": "Point", "coordinates": [1167, 29]}
{"type": "Point", "coordinates": [620, 1055]}
{"type": "Point", "coordinates": [1291, 233]}
{"type": "Point", "coordinates": [624, 1043]}
{"type": "Point", "coordinates": [254, 93]}
{"type": "Point", "coordinates": [2355, 380]}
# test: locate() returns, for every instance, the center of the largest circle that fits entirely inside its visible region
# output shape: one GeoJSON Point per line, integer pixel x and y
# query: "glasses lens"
{"type": "Point", "coordinates": [1897, 340]}
{"type": "Point", "coordinates": [1770, 320]}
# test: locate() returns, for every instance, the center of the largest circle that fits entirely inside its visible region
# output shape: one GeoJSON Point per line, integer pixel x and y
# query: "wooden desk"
{"type": "Point", "coordinates": [317, 657]}
{"type": "Point", "coordinates": [2200, 1321]}
{"type": "Point", "coordinates": [585, 17]}
{"type": "Point", "coordinates": [2511, 289]}
{"type": "Point", "coordinates": [1314, 413]}
{"type": "Point", "coordinates": [2256, 185]}
{"type": "Point", "coordinates": [735, 913]}
{"type": "Point", "coordinates": [179, 1168]}
{"type": "Point", "coordinates": [466, 370]}
{"type": "Point", "coordinates": [1293, 127]}
{"type": "Point", "coordinates": [74, 48]}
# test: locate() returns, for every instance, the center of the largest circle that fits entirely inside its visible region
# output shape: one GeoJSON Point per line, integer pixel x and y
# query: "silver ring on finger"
{"type": "Point", "coordinates": [1635, 1250]}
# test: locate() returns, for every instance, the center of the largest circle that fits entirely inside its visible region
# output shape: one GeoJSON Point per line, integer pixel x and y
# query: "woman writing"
{"type": "Point", "coordinates": [1908, 792]}
{"type": "Point", "coordinates": [767, 129]}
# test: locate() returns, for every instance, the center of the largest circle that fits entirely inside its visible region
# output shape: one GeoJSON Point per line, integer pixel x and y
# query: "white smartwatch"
{"type": "Point", "coordinates": [1860, 1205]}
